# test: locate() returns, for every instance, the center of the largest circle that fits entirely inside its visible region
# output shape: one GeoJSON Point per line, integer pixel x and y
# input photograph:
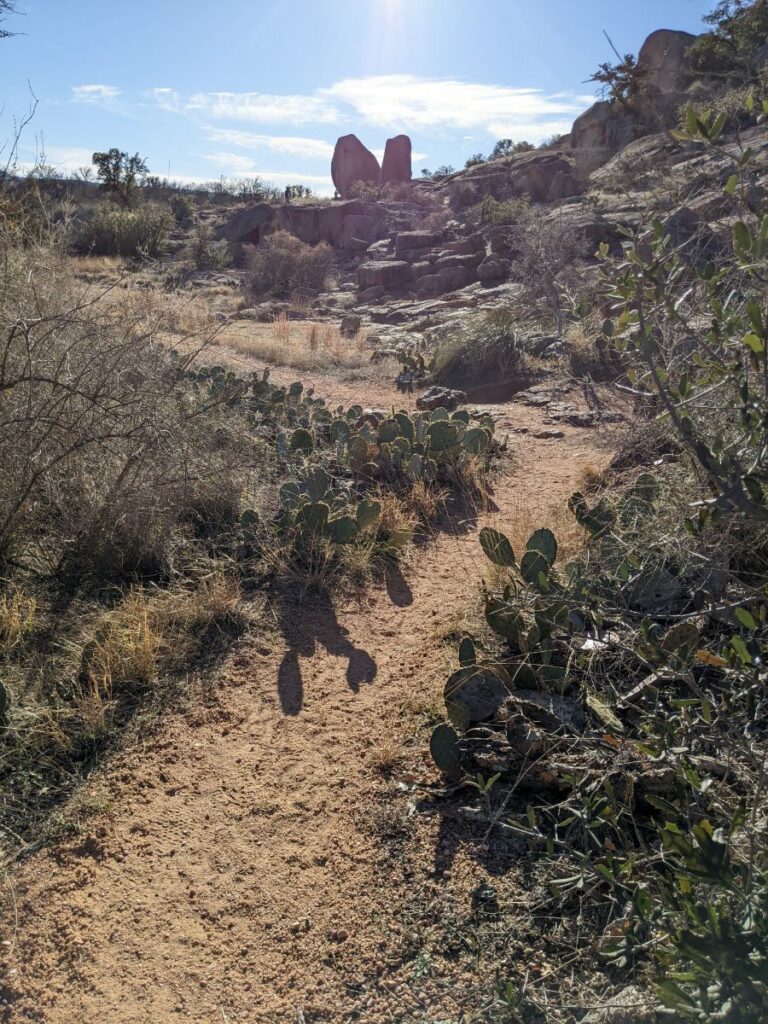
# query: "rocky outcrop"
{"type": "Point", "coordinates": [396, 165]}
{"type": "Point", "coordinates": [392, 275]}
{"type": "Point", "coordinates": [350, 225]}
{"type": "Point", "coordinates": [600, 132]}
{"type": "Point", "coordinates": [351, 163]}
{"type": "Point", "coordinates": [664, 63]}
{"type": "Point", "coordinates": [536, 175]}
{"type": "Point", "coordinates": [665, 78]}
{"type": "Point", "coordinates": [250, 226]}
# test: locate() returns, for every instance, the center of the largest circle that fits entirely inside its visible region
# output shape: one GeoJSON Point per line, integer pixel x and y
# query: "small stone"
{"type": "Point", "coordinates": [549, 435]}
{"type": "Point", "coordinates": [441, 398]}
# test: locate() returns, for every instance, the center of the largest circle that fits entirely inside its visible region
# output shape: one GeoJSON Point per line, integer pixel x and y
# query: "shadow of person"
{"type": "Point", "coordinates": [305, 623]}
{"type": "Point", "coordinates": [398, 589]}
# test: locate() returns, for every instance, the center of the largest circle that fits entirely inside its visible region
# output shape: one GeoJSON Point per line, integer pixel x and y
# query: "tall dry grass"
{"type": "Point", "coordinates": [302, 344]}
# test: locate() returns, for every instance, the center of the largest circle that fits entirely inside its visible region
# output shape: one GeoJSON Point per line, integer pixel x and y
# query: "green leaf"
{"type": "Point", "coordinates": [742, 239]}
{"type": "Point", "coordinates": [691, 121]}
{"type": "Point", "coordinates": [716, 130]}
{"type": "Point", "coordinates": [753, 343]}
{"type": "Point", "coordinates": [745, 618]}
{"type": "Point", "coordinates": [741, 650]}
{"type": "Point", "coordinates": [604, 713]}
{"type": "Point", "coordinates": [731, 184]}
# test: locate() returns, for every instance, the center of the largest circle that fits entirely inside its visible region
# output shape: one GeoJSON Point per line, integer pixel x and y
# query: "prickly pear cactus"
{"type": "Point", "coordinates": [313, 517]}
{"type": "Point", "coordinates": [342, 529]}
{"type": "Point", "coordinates": [443, 434]}
{"type": "Point", "coordinates": [301, 441]}
{"type": "Point", "coordinates": [497, 548]}
{"type": "Point", "coordinates": [445, 749]}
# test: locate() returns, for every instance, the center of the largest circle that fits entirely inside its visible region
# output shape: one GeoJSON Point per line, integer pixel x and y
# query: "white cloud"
{"type": "Point", "coordinates": [290, 145]}
{"type": "Point", "coordinates": [230, 163]}
{"type": "Point", "coordinates": [166, 99]}
{"type": "Point", "coordinates": [411, 103]}
{"type": "Point", "coordinates": [263, 108]}
{"type": "Point", "coordinates": [96, 95]}
{"type": "Point", "coordinates": [391, 103]}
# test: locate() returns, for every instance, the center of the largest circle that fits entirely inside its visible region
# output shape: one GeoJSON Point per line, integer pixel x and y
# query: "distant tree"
{"type": "Point", "coordinates": [737, 40]}
{"type": "Point", "coordinates": [474, 160]}
{"type": "Point", "coordinates": [506, 147]}
{"type": "Point", "coordinates": [6, 7]}
{"type": "Point", "coordinates": [120, 173]}
{"type": "Point", "coordinates": [300, 192]}
{"type": "Point", "coordinates": [442, 171]}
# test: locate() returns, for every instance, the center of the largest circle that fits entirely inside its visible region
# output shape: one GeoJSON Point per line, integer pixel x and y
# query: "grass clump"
{"type": "Point", "coordinates": [485, 349]}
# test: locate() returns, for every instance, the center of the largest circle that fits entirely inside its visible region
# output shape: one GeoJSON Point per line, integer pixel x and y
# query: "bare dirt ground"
{"type": "Point", "coordinates": [237, 871]}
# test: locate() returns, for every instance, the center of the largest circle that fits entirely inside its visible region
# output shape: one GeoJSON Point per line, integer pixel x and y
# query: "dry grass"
{"type": "Point", "coordinates": [17, 616]}
{"type": "Point", "coordinates": [298, 343]}
{"type": "Point", "coordinates": [589, 479]}
{"type": "Point", "coordinates": [520, 521]}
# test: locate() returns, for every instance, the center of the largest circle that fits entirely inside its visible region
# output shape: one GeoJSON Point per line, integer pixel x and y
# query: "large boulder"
{"type": "Point", "coordinates": [396, 165]}
{"type": "Point", "coordinates": [410, 242]}
{"type": "Point", "coordinates": [600, 132]}
{"type": "Point", "coordinates": [664, 63]}
{"type": "Point", "coordinates": [339, 224]}
{"type": "Point", "coordinates": [351, 163]}
{"type": "Point", "coordinates": [249, 227]}
{"type": "Point", "coordinates": [392, 275]}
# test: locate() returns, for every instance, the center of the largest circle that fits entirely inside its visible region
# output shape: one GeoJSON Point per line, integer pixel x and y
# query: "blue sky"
{"type": "Point", "coordinates": [264, 87]}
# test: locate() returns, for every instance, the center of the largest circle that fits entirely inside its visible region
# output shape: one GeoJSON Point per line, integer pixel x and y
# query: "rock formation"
{"type": "Point", "coordinates": [353, 162]}
{"type": "Point", "coordinates": [396, 166]}
{"type": "Point", "coordinates": [663, 59]}
{"type": "Point", "coordinates": [666, 76]}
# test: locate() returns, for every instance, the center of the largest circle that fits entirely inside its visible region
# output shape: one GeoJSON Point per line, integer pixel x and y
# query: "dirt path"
{"type": "Point", "coordinates": [233, 876]}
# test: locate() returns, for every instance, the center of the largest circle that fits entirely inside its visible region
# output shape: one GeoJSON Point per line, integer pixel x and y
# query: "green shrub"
{"type": "Point", "coordinates": [282, 263]}
{"type": "Point", "coordinates": [182, 207]}
{"type": "Point", "coordinates": [203, 253]}
{"type": "Point", "coordinates": [113, 232]}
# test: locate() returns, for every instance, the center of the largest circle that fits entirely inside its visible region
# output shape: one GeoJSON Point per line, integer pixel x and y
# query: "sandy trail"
{"type": "Point", "coordinates": [233, 878]}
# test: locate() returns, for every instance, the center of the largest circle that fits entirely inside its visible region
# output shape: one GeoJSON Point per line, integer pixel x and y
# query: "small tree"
{"type": "Point", "coordinates": [475, 160]}
{"type": "Point", "coordinates": [739, 32]}
{"type": "Point", "coordinates": [621, 81]}
{"type": "Point", "coordinates": [506, 147]}
{"type": "Point", "coordinates": [6, 7]}
{"type": "Point", "coordinates": [120, 173]}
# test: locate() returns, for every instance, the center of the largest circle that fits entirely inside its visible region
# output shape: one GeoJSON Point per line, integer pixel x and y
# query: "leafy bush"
{"type": "Point", "coordinates": [112, 232]}
{"type": "Point", "coordinates": [281, 263]}
{"type": "Point", "coordinates": [182, 207]}
{"type": "Point", "coordinates": [626, 691]}
{"type": "Point", "coordinates": [739, 32]}
{"type": "Point", "coordinates": [204, 253]}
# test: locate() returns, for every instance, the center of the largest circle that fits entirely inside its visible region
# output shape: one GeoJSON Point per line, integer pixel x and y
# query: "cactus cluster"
{"type": "Point", "coordinates": [315, 506]}
{"type": "Point", "coordinates": [409, 447]}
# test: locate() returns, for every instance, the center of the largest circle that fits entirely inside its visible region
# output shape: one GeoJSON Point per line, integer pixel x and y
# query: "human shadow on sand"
{"type": "Point", "coordinates": [305, 622]}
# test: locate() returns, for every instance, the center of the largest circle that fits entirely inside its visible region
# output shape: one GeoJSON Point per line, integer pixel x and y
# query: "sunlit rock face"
{"type": "Point", "coordinates": [666, 80]}
{"type": "Point", "coordinates": [664, 61]}
{"type": "Point", "coordinates": [352, 162]}
{"type": "Point", "coordinates": [396, 166]}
